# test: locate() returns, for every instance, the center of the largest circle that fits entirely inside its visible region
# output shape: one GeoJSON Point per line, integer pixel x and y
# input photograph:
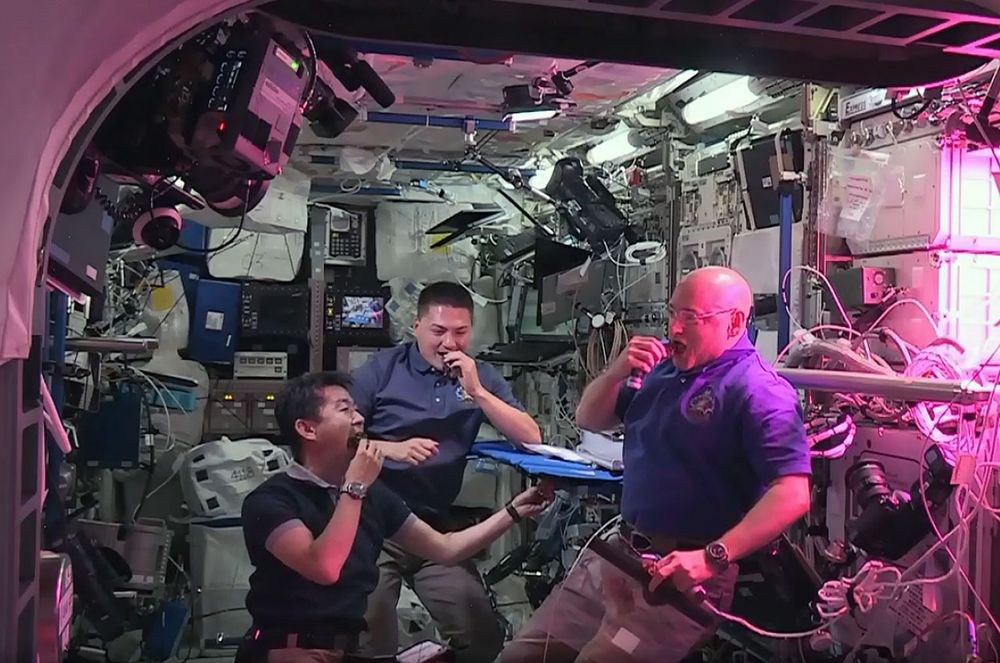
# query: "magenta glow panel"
{"type": "Point", "coordinates": [969, 268]}
{"type": "Point", "coordinates": [970, 202]}
{"type": "Point", "coordinates": [969, 298]}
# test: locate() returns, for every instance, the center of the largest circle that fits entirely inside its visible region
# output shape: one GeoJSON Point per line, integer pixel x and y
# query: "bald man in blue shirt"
{"type": "Point", "coordinates": [716, 466]}
{"type": "Point", "coordinates": [423, 404]}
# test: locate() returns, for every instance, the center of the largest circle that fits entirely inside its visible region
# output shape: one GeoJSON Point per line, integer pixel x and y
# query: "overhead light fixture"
{"type": "Point", "coordinates": [731, 96]}
{"type": "Point", "coordinates": [619, 145]}
{"type": "Point", "coordinates": [529, 103]}
{"type": "Point", "coordinates": [531, 115]}
{"type": "Point", "coordinates": [677, 81]}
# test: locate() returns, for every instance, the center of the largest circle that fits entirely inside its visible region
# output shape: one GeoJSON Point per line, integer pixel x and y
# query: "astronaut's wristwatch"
{"type": "Point", "coordinates": [355, 489]}
{"type": "Point", "coordinates": [717, 555]}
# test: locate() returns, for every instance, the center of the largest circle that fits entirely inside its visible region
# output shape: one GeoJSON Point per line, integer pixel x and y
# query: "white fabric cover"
{"type": "Point", "coordinates": [216, 476]}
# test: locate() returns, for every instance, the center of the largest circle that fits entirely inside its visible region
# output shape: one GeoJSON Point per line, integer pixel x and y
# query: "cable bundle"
{"type": "Point", "coordinates": [939, 361]}
{"type": "Point", "coordinates": [862, 591]}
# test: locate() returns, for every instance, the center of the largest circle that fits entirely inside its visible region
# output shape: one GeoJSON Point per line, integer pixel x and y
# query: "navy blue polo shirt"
{"type": "Point", "coordinates": [401, 396]}
{"type": "Point", "coordinates": [702, 446]}
{"type": "Point", "coordinates": [281, 598]}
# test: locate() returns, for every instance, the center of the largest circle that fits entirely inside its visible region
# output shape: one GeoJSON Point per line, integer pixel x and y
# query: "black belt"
{"type": "Point", "coordinates": [266, 639]}
{"type": "Point", "coordinates": [661, 545]}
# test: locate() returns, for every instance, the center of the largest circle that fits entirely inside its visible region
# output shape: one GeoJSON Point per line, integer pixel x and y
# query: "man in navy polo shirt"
{"type": "Point", "coordinates": [716, 466]}
{"type": "Point", "coordinates": [314, 533]}
{"type": "Point", "coordinates": [424, 403]}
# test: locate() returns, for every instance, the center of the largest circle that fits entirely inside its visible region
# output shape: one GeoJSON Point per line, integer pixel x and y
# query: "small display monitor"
{"type": "Point", "coordinates": [362, 312]}
{"type": "Point", "coordinates": [279, 306]}
{"type": "Point", "coordinates": [563, 293]}
{"type": "Point", "coordinates": [275, 310]}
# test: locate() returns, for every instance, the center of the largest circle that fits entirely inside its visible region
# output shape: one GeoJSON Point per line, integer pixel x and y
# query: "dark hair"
{"type": "Point", "coordinates": [444, 293]}
{"type": "Point", "coordinates": [301, 398]}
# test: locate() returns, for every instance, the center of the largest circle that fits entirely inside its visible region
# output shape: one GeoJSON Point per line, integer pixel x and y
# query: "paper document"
{"type": "Point", "coordinates": [561, 453]}
{"type": "Point", "coordinates": [859, 196]}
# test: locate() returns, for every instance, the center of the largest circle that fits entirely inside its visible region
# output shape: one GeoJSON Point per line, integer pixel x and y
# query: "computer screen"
{"type": "Point", "coordinates": [275, 310]}
{"type": "Point", "coordinates": [362, 312]}
{"type": "Point", "coordinates": [282, 307]}
{"type": "Point", "coordinates": [529, 323]}
{"type": "Point", "coordinates": [564, 293]}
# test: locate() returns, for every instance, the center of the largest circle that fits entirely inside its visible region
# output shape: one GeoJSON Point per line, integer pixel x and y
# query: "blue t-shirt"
{"type": "Point", "coordinates": [702, 446]}
{"type": "Point", "coordinates": [401, 396]}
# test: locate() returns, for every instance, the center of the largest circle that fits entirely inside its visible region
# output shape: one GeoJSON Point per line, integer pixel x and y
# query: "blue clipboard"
{"type": "Point", "coordinates": [538, 465]}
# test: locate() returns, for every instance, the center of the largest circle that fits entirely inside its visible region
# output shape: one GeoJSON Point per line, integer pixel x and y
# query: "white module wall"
{"type": "Point", "coordinates": [932, 195]}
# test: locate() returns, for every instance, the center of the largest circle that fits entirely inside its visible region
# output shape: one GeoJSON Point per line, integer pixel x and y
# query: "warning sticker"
{"type": "Point", "coordinates": [284, 101]}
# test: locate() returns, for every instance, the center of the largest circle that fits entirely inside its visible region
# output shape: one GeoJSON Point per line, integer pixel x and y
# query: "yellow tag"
{"type": "Point", "coordinates": [161, 299]}
{"type": "Point", "coordinates": [436, 237]}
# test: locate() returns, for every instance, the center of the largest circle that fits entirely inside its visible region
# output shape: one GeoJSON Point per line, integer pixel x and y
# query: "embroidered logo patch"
{"type": "Point", "coordinates": [701, 406]}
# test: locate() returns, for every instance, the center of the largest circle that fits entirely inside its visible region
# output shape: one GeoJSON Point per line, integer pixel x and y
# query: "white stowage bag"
{"type": "Point", "coordinates": [216, 476]}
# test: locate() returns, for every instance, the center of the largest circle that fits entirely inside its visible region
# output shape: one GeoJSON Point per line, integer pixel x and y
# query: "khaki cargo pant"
{"type": "Point", "coordinates": [598, 614]}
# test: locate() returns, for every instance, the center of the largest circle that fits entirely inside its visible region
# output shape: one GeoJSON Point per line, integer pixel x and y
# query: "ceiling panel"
{"type": "Point", "coordinates": [450, 87]}
{"type": "Point", "coordinates": [860, 42]}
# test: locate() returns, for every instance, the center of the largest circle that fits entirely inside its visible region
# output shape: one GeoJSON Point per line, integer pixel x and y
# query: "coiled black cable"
{"type": "Point", "coordinates": [124, 212]}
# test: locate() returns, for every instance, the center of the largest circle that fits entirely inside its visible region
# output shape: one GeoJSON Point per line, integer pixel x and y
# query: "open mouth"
{"type": "Point", "coordinates": [677, 348]}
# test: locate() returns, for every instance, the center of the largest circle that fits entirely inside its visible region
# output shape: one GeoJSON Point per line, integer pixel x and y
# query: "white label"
{"type": "Point", "coordinates": [214, 320]}
{"type": "Point", "coordinates": [625, 640]}
{"type": "Point", "coordinates": [861, 103]}
{"type": "Point", "coordinates": [91, 272]}
{"type": "Point", "coordinates": [285, 57]}
{"type": "Point", "coordinates": [859, 195]}
{"type": "Point", "coordinates": [965, 470]}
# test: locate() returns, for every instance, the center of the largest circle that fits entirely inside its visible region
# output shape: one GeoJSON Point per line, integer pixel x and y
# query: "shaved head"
{"type": "Point", "coordinates": [719, 286]}
{"type": "Point", "coordinates": [709, 310]}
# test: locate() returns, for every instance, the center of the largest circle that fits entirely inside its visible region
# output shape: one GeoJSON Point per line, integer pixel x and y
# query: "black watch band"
{"type": "Point", "coordinates": [512, 512]}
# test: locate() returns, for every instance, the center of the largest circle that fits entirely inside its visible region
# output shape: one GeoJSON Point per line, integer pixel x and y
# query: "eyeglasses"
{"type": "Point", "coordinates": [689, 317]}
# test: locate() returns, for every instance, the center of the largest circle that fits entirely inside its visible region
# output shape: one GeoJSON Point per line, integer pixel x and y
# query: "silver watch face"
{"type": "Point", "coordinates": [356, 489]}
{"type": "Point", "coordinates": [717, 552]}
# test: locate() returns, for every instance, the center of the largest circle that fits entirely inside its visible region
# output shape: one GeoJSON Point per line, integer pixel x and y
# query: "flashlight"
{"type": "Point", "coordinates": [637, 375]}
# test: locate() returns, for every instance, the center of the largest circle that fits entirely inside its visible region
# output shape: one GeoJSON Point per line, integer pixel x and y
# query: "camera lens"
{"type": "Point", "coordinates": [227, 194]}
{"type": "Point", "coordinates": [867, 482]}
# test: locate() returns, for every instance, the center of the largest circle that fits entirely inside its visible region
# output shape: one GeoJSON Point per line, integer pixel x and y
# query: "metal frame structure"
{"type": "Point", "coordinates": [863, 42]}
{"type": "Point", "coordinates": [859, 42]}
{"type": "Point", "coordinates": [21, 492]}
